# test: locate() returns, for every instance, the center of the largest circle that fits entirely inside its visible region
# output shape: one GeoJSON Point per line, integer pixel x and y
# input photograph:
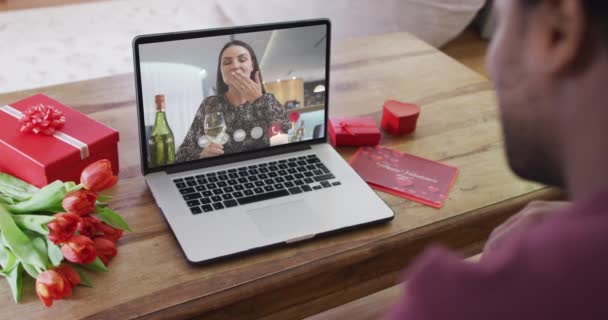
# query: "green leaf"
{"type": "Point", "coordinates": [112, 218]}
{"type": "Point", "coordinates": [54, 252]}
{"type": "Point", "coordinates": [16, 195]}
{"type": "Point", "coordinates": [47, 199]}
{"type": "Point", "coordinates": [20, 244]}
{"type": "Point", "coordinates": [30, 270]}
{"type": "Point", "coordinates": [8, 180]}
{"type": "Point", "coordinates": [2, 242]}
{"type": "Point", "coordinates": [96, 266]}
{"type": "Point", "coordinates": [15, 281]}
{"type": "Point", "coordinates": [3, 256]}
{"type": "Point", "coordinates": [72, 186]}
{"type": "Point", "coordinates": [15, 188]}
{"type": "Point", "coordinates": [84, 279]}
{"type": "Point", "coordinates": [104, 199]}
{"type": "Point", "coordinates": [36, 223]}
{"type": "Point", "coordinates": [6, 199]}
{"type": "Point", "coordinates": [40, 244]}
{"type": "Point", "coordinates": [7, 259]}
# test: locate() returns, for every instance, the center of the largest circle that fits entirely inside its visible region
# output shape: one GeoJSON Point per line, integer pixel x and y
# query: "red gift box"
{"type": "Point", "coordinates": [399, 117]}
{"type": "Point", "coordinates": [41, 159]}
{"type": "Point", "coordinates": [353, 131]}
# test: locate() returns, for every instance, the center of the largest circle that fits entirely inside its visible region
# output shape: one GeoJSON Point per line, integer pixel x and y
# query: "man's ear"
{"type": "Point", "coordinates": [556, 35]}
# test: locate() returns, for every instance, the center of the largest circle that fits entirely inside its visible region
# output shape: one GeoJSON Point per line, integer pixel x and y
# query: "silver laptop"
{"type": "Point", "coordinates": [233, 138]}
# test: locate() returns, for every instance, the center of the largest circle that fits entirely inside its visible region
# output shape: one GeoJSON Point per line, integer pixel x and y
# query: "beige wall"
{"type": "Point", "coordinates": [286, 90]}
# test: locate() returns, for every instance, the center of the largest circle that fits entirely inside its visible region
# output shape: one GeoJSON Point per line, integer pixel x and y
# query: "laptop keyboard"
{"type": "Point", "coordinates": [239, 186]}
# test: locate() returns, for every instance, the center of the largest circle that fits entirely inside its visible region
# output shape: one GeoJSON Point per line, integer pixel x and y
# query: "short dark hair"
{"type": "Point", "coordinates": [220, 86]}
{"type": "Point", "coordinates": [596, 10]}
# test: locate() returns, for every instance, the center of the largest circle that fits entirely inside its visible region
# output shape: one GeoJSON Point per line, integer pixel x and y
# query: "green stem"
{"type": "Point", "coordinates": [20, 244]}
{"type": "Point", "coordinates": [47, 199]}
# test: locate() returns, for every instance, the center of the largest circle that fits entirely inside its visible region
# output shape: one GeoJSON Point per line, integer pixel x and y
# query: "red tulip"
{"type": "Point", "coordinates": [63, 227]}
{"type": "Point", "coordinates": [69, 274]}
{"type": "Point", "coordinates": [88, 226]}
{"type": "Point", "coordinates": [109, 232]}
{"type": "Point", "coordinates": [79, 249]}
{"type": "Point", "coordinates": [81, 202]}
{"type": "Point", "coordinates": [106, 249]}
{"type": "Point", "coordinates": [50, 285]}
{"type": "Point", "coordinates": [294, 117]}
{"type": "Point", "coordinates": [98, 176]}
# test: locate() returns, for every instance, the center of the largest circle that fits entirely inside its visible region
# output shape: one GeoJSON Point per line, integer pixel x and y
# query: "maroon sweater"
{"type": "Point", "coordinates": [558, 269]}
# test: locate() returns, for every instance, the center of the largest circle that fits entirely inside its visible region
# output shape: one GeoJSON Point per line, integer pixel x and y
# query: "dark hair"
{"type": "Point", "coordinates": [596, 10]}
{"type": "Point", "coordinates": [221, 86]}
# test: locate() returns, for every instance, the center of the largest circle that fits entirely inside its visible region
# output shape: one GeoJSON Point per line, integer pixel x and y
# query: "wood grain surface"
{"type": "Point", "coordinates": [372, 307]}
{"type": "Point", "coordinates": [459, 125]}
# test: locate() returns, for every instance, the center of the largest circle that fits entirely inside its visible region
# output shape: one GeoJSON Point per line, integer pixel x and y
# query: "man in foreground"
{"type": "Point", "coordinates": [549, 62]}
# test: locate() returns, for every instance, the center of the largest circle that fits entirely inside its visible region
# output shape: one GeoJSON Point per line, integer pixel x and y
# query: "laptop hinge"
{"type": "Point", "coordinates": [237, 158]}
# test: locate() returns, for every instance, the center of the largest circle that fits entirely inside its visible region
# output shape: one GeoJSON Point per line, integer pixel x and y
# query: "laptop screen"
{"type": "Point", "coordinates": [214, 96]}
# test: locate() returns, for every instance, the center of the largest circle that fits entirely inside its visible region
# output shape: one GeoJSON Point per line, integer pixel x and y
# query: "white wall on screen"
{"type": "Point", "coordinates": [182, 86]}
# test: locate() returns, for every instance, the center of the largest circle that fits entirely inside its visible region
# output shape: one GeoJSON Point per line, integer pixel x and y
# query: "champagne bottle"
{"type": "Point", "coordinates": [161, 143]}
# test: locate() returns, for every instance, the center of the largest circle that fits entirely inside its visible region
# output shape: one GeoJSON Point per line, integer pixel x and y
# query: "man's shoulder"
{"type": "Point", "coordinates": [571, 243]}
{"type": "Point", "coordinates": [579, 234]}
{"type": "Point", "coordinates": [556, 267]}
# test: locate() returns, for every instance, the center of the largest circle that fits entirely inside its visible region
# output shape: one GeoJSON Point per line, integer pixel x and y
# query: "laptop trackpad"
{"type": "Point", "coordinates": [292, 219]}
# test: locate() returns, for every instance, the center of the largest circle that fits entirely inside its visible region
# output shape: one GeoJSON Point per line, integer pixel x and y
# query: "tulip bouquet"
{"type": "Point", "coordinates": [57, 233]}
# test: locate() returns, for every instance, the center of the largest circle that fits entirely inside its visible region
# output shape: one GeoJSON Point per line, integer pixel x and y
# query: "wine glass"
{"type": "Point", "coordinates": [215, 128]}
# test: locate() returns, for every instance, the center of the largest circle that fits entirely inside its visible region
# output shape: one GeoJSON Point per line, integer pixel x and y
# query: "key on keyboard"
{"type": "Point", "coordinates": [215, 191]}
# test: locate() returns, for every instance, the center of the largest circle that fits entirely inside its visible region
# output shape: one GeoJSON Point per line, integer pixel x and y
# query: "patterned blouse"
{"type": "Point", "coordinates": [251, 123]}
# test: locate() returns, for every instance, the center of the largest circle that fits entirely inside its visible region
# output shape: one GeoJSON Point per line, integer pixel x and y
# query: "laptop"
{"type": "Point", "coordinates": [233, 138]}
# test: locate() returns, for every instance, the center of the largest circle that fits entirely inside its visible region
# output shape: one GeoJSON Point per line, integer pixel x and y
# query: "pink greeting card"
{"type": "Point", "coordinates": [405, 175]}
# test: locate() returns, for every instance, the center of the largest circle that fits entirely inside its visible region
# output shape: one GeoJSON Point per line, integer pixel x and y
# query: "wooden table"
{"type": "Point", "coordinates": [459, 125]}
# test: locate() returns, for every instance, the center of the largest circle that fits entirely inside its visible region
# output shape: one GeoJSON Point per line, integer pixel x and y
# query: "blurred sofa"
{"type": "Point", "coordinates": [70, 43]}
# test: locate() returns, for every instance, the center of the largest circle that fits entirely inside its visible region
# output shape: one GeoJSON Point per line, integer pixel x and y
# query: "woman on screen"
{"type": "Point", "coordinates": [240, 116]}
